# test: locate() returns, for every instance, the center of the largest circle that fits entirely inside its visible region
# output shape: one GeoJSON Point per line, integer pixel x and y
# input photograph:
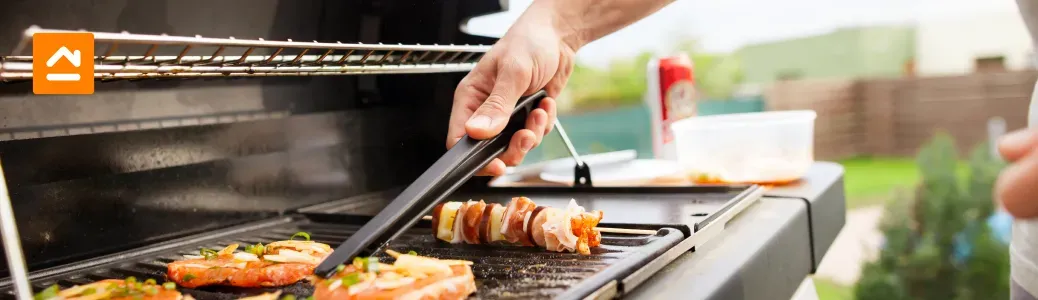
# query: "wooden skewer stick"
{"type": "Point", "coordinates": [602, 229]}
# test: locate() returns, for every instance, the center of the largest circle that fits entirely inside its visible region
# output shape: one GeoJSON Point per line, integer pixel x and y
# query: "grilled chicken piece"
{"type": "Point", "coordinates": [115, 289]}
{"type": "Point", "coordinates": [277, 264]}
{"type": "Point", "coordinates": [227, 271]}
{"type": "Point", "coordinates": [410, 277]}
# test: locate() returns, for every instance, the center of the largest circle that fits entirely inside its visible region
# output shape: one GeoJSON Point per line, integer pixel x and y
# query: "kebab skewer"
{"type": "Point", "coordinates": [521, 222]}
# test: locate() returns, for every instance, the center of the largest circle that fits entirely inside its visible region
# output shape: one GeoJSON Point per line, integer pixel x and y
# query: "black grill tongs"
{"type": "Point", "coordinates": [446, 175]}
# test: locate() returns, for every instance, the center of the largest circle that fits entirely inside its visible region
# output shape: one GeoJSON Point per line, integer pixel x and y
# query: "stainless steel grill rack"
{"type": "Point", "coordinates": [231, 57]}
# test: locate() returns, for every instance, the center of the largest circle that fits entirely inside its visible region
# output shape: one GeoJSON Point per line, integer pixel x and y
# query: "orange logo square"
{"type": "Point", "coordinates": [63, 63]}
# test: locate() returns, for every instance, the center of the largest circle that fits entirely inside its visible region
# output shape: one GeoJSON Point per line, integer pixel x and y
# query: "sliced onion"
{"type": "Point", "coordinates": [240, 265]}
{"type": "Point", "coordinates": [459, 224]}
{"type": "Point", "coordinates": [196, 266]}
{"type": "Point", "coordinates": [190, 256]}
{"type": "Point", "coordinates": [291, 256]}
{"type": "Point", "coordinates": [424, 265]}
{"type": "Point", "coordinates": [392, 284]}
{"type": "Point", "coordinates": [526, 220]}
{"type": "Point", "coordinates": [227, 250]}
{"type": "Point", "coordinates": [242, 256]}
{"type": "Point", "coordinates": [335, 284]}
{"type": "Point", "coordinates": [361, 286]}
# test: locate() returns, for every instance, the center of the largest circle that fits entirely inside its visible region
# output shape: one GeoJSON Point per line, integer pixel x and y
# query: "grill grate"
{"type": "Point", "coordinates": [501, 272]}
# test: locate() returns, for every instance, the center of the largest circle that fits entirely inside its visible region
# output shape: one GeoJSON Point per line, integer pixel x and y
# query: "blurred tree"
{"type": "Point", "coordinates": [624, 82]}
{"type": "Point", "coordinates": [717, 75]}
{"type": "Point", "coordinates": [921, 257]}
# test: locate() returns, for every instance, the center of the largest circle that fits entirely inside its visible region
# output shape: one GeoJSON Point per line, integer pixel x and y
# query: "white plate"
{"type": "Point", "coordinates": [630, 172]}
{"type": "Point", "coordinates": [562, 164]}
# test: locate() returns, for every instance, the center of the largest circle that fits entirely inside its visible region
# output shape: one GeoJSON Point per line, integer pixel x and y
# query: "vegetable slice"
{"type": "Point", "coordinates": [301, 234]}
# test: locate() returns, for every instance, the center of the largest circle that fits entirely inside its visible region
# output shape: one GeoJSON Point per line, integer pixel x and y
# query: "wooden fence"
{"type": "Point", "coordinates": [894, 117]}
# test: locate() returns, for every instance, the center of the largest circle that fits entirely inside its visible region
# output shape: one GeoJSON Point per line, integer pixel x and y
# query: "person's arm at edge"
{"type": "Point", "coordinates": [580, 22]}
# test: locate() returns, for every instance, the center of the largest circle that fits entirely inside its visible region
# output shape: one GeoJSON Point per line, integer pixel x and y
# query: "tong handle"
{"type": "Point", "coordinates": [445, 175]}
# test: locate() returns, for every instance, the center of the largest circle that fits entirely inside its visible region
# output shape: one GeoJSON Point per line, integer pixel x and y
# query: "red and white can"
{"type": "Point", "coordinates": [671, 96]}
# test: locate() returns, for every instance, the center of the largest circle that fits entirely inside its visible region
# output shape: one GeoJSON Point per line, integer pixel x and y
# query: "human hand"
{"type": "Point", "coordinates": [533, 55]}
{"type": "Point", "coordinates": [1017, 185]}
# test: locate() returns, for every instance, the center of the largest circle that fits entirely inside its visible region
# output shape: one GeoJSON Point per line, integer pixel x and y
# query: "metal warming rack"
{"type": "Point", "coordinates": [201, 57]}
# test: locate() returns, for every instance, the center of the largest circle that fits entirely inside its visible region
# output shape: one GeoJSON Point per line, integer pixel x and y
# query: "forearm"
{"type": "Point", "coordinates": [579, 22]}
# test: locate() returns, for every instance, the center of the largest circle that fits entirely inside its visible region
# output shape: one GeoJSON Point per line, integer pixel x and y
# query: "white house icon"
{"type": "Point", "coordinates": [73, 57]}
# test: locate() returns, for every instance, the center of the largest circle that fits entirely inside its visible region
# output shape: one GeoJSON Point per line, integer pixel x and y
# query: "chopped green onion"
{"type": "Point", "coordinates": [89, 291]}
{"type": "Point", "coordinates": [48, 293]}
{"type": "Point", "coordinates": [300, 234]}
{"type": "Point", "coordinates": [188, 277]}
{"type": "Point", "coordinates": [150, 281]}
{"type": "Point", "coordinates": [288, 297]}
{"type": "Point", "coordinates": [412, 252]}
{"type": "Point", "coordinates": [208, 253]}
{"type": "Point", "coordinates": [372, 264]}
{"type": "Point", "coordinates": [358, 263]}
{"type": "Point", "coordinates": [138, 297]}
{"type": "Point", "coordinates": [256, 249]}
{"type": "Point", "coordinates": [339, 268]}
{"type": "Point", "coordinates": [131, 280]}
{"type": "Point", "coordinates": [311, 297]}
{"type": "Point", "coordinates": [151, 291]}
{"type": "Point", "coordinates": [351, 279]}
{"type": "Point", "coordinates": [169, 285]}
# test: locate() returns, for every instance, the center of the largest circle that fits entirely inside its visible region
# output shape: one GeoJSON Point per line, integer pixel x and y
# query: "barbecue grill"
{"type": "Point", "coordinates": [313, 117]}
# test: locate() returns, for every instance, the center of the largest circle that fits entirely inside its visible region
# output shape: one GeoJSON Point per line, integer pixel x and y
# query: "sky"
{"type": "Point", "coordinates": [726, 25]}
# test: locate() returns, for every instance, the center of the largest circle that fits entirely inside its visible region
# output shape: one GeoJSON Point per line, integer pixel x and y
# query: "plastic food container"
{"type": "Point", "coordinates": [766, 147]}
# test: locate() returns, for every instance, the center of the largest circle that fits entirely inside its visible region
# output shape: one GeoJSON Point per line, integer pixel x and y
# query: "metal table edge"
{"type": "Point", "coordinates": [823, 191]}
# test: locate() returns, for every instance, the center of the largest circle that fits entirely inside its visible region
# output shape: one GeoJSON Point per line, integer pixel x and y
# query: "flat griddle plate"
{"type": "Point", "coordinates": [501, 272]}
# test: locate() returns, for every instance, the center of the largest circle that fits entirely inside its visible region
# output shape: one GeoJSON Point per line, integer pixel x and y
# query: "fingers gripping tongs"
{"type": "Point", "coordinates": [448, 173]}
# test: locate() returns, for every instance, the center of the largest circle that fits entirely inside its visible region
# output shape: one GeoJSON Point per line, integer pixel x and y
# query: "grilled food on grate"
{"type": "Point", "coordinates": [276, 264]}
{"type": "Point", "coordinates": [409, 277]}
{"type": "Point", "coordinates": [115, 289]}
{"type": "Point", "coordinates": [522, 222]}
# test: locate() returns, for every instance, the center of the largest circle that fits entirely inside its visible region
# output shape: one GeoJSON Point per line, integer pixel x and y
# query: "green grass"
{"type": "Point", "coordinates": [869, 181]}
{"type": "Point", "coordinates": [828, 290]}
{"type": "Point", "coordinates": [874, 180]}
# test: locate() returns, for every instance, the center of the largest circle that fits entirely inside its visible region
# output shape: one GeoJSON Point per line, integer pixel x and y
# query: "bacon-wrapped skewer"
{"type": "Point", "coordinates": [115, 289]}
{"type": "Point", "coordinates": [522, 222]}
{"type": "Point", "coordinates": [409, 277]}
{"type": "Point", "coordinates": [276, 264]}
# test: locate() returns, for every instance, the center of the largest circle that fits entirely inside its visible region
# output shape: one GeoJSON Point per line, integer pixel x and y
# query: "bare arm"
{"type": "Point", "coordinates": [583, 21]}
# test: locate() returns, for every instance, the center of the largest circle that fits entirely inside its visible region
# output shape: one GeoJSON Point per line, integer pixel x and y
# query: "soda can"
{"type": "Point", "coordinates": [671, 96]}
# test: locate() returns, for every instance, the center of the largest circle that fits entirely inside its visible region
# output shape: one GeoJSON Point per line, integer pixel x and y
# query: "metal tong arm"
{"type": "Point", "coordinates": [442, 178]}
{"type": "Point", "coordinates": [581, 171]}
